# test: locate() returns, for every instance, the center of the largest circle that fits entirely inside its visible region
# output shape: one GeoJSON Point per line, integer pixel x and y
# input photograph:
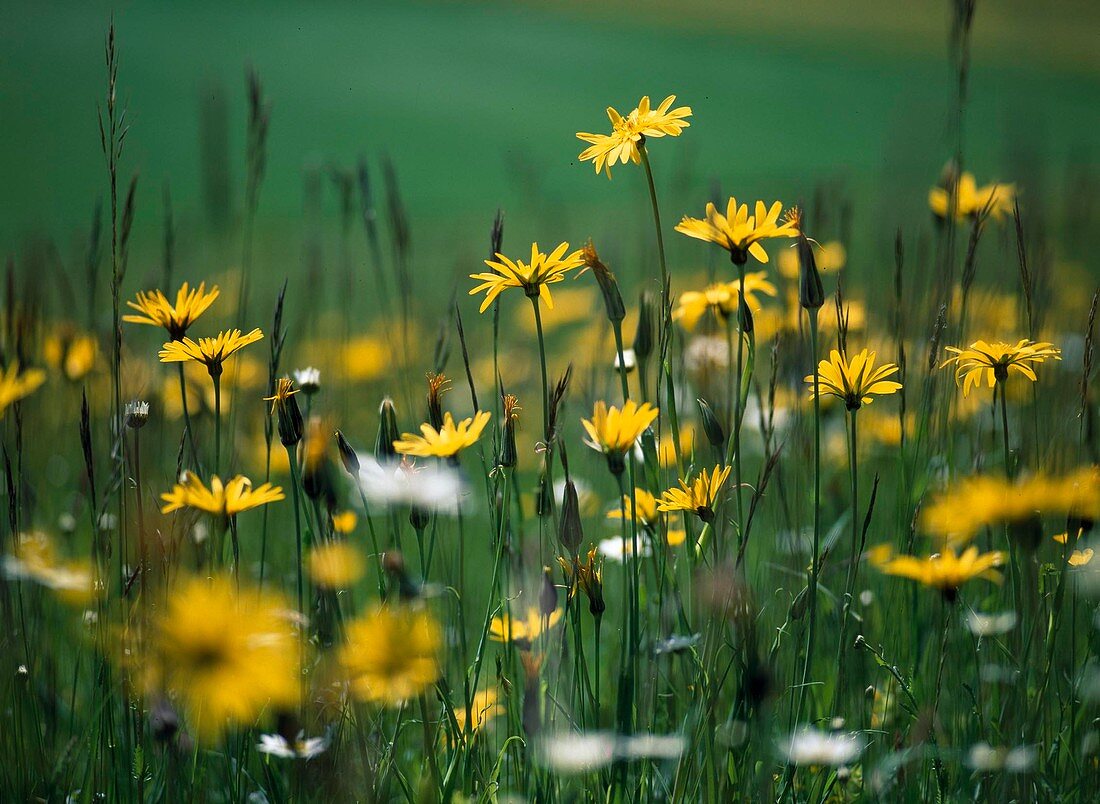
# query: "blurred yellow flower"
{"type": "Point", "coordinates": [391, 654]}
{"type": "Point", "coordinates": [345, 521]}
{"type": "Point", "coordinates": [365, 358]}
{"type": "Point", "coordinates": [828, 257]}
{"type": "Point", "coordinates": [156, 310]}
{"type": "Point", "coordinates": [227, 657]}
{"type": "Point", "coordinates": [627, 133]}
{"type": "Point", "coordinates": [484, 708]}
{"type": "Point", "coordinates": [211, 352]}
{"type": "Point", "coordinates": [446, 442]}
{"type": "Point", "coordinates": [968, 199]}
{"type": "Point", "coordinates": [697, 497]}
{"type": "Point", "coordinates": [525, 629]}
{"type": "Point", "coordinates": [71, 352]}
{"type": "Point", "coordinates": [722, 298]}
{"type": "Point", "coordinates": [612, 430]}
{"type": "Point", "coordinates": [335, 565]}
{"type": "Point", "coordinates": [35, 558]}
{"type": "Point", "coordinates": [646, 505]}
{"type": "Point", "coordinates": [738, 232]}
{"type": "Point", "coordinates": [947, 571]}
{"type": "Point", "coordinates": [992, 362]}
{"type": "Point", "coordinates": [534, 278]}
{"type": "Point", "coordinates": [855, 383]}
{"type": "Point", "coordinates": [15, 385]}
{"type": "Point", "coordinates": [222, 499]}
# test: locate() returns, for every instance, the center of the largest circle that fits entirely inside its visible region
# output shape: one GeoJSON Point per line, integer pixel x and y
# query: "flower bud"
{"type": "Point", "coordinates": [347, 455]}
{"type": "Point", "coordinates": [711, 426]}
{"type": "Point", "coordinates": [643, 335]}
{"type": "Point", "coordinates": [811, 295]}
{"type": "Point", "coordinates": [387, 431]}
{"type": "Point", "coordinates": [570, 533]}
{"type": "Point", "coordinates": [548, 595]}
{"type": "Point", "coordinates": [612, 299]}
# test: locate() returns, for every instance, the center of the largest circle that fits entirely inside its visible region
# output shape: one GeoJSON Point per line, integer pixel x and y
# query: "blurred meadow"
{"type": "Point", "coordinates": [329, 474]}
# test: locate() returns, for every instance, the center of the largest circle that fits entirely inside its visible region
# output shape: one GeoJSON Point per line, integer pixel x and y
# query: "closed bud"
{"type": "Point", "coordinates": [387, 431]}
{"type": "Point", "coordinates": [744, 318]}
{"type": "Point", "coordinates": [711, 426]}
{"type": "Point", "coordinates": [612, 299]}
{"type": "Point", "coordinates": [643, 335]}
{"type": "Point", "coordinates": [569, 532]}
{"type": "Point", "coordinates": [508, 452]}
{"type": "Point", "coordinates": [548, 595]}
{"type": "Point", "coordinates": [290, 416]}
{"type": "Point", "coordinates": [418, 518]}
{"type": "Point", "coordinates": [811, 295]}
{"type": "Point", "coordinates": [347, 455]}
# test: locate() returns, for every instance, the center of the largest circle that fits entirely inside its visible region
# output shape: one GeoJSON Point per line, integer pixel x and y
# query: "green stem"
{"type": "Point", "coordinates": [656, 223]}
{"type": "Point", "coordinates": [217, 423]}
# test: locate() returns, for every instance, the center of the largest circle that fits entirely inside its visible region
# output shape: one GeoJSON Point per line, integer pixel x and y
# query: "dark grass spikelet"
{"type": "Point", "coordinates": [557, 397]}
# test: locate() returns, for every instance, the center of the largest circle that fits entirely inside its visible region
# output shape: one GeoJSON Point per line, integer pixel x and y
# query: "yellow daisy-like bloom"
{"type": "Point", "coordinates": [35, 559]}
{"type": "Point", "coordinates": [335, 565]}
{"type": "Point", "coordinates": [446, 442]}
{"type": "Point", "coordinates": [222, 499]}
{"type": "Point", "coordinates": [525, 629]}
{"type": "Point", "coordinates": [156, 310]}
{"type": "Point", "coordinates": [628, 133]}
{"type": "Point", "coordinates": [722, 298]}
{"type": "Point", "coordinates": [228, 657]}
{"type": "Point", "coordinates": [71, 352]}
{"type": "Point", "coordinates": [737, 231]}
{"type": "Point", "coordinates": [391, 654]}
{"type": "Point", "coordinates": [977, 502]}
{"type": "Point", "coordinates": [992, 362]}
{"type": "Point", "coordinates": [1078, 558]}
{"type": "Point", "coordinates": [855, 382]}
{"type": "Point", "coordinates": [697, 497]}
{"type": "Point", "coordinates": [15, 385]}
{"type": "Point", "coordinates": [614, 431]}
{"type": "Point", "coordinates": [211, 352]}
{"type": "Point", "coordinates": [345, 521]}
{"type": "Point", "coordinates": [970, 199]}
{"type": "Point", "coordinates": [646, 506]}
{"type": "Point", "coordinates": [947, 571]}
{"type": "Point", "coordinates": [484, 708]}
{"type": "Point", "coordinates": [534, 277]}
{"type": "Point", "coordinates": [828, 257]}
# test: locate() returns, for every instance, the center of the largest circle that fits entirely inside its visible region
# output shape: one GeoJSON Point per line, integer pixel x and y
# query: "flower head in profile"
{"type": "Point", "coordinates": [156, 310]}
{"type": "Point", "coordinates": [15, 385]}
{"type": "Point", "coordinates": [737, 231]}
{"type": "Point", "coordinates": [226, 656]}
{"type": "Point", "coordinates": [722, 298]}
{"type": "Point", "coordinates": [854, 382]}
{"type": "Point", "coordinates": [828, 258]}
{"type": "Point", "coordinates": [613, 430]}
{"type": "Point", "coordinates": [967, 200]}
{"type": "Point", "coordinates": [221, 499]}
{"type": "Point", "coordinates": [391, 654]}
{"type": "Point", "coordinates": [629, 132]}
{"type": "Point", "coordinates": [447, 441]}
{"type": "Point", "coordinates": [697, 497]}
{"type": "Point", "coordinates": [211, 352]}
{"type": "Point", "coordinates": [525, 629]}
{"type": "Point", "coordinates": [947, 571]}
{"type": "Point", "coordinates": [534, 277]}
{"type": "Point", "coordinates": [300, 747]}
{"type": "Point", "coordinates": [990, 363]}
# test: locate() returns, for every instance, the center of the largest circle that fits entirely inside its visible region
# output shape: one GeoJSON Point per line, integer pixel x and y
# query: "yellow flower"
{"type": "Point", "coordinates": [856, 382]}
{"type": "Point", "coordinates": [627, 133]}
{"type": "Point", "coordinates": [484, 708]}
{"type": "Point", "coordinates": [35, 558]}
{"type": "Point", "coordinates": [71, 352]}
{"type": "Point", "coordinates": [970, 199]}
{"type": "Point", "coordinates": [647, 508]}
{"type": "Point", "coordinates": [211, 352]}
{"type": "Point", "coordinates": [614, 431]}
{"type": "Point", "coordinates": [1078, 558]}
{"type": "Point", "coordinates": [228, 499]}
{"type": "Point", "coordinates": [345, 521]}
{"type": "Point", "coordinates": [284, 389]}
{"type": "Point", "coordinates": [365, 358]}
{"type": "Point", "coordinates": [156, 310]}
{"type": "Point", "coordinates": [738, 232]}
{"type": "Point", "coordinates": [391, 654]}
{"type": "Point", "coordinates": [534, 277]}
{"type": "Point", "coordinates": [981, 501]}
{"type": "Point", "coordinates": [15, 385]}
{"type": "Point", "coordinates": [992, 362]}
{"type": "Point", "coordinates": [722, 298]}
{"type": "Point", "coordinates": [829, 257]}
{"type": "Point", "coordinates": [335, 565]}
{"type": "Point", "coordinates": [525, 629]}
{"type": "Point", "coordinates": [947, 571]}
{"type": "Point", "coordinates": [446, 442]}
{"type": "Point", "coordinates": [227, 657]}
{"type": "Point", "coordinates": [697, 497]}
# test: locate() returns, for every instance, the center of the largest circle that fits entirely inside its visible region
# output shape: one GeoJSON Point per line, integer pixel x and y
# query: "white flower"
{"type": "Point", "coordinates": [617, 549]}
{"type": "Point", "coordinates": [578, 753]}
{"type": "Point", "coordinates": [813, 747]}
{"type": "Point", "coordinates": [433, 488]}
{"type": "Point", "coordinates": [990, 624]}
{"type": "Point", "coordinates": [277, 745]}
{"type": "Point", "coordinates": [985, 758]}
{"type": "Point", "coordinates": [308, 379]}
{"type": "Point", "coordinates": [630, 360]}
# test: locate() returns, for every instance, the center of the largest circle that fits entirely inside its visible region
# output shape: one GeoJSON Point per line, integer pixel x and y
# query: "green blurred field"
{"type": "Point", "coordinates": [477, 104]}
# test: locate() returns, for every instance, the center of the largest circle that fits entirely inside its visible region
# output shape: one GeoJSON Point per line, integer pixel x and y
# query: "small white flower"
{"type": "Point", "coordinates": [985, 758]}
{"type": "Point", "coordinates": [66, 523]}
{"type": "Point", "coordinates": [630, 360]}
{"type": "Point", "coordinates": [277, 745]}
{"type": "Point", "coordinates": [433, 488]}
{"type": "Point", "coordinates": [990, 624]}
{"type": "Point", "coordinates": [617, 549]}
{"type": "Point", "coordinates": [107, 521]}
{"type": "Point", "coordinates": [578, 753]}
{"type": "Point", "coordinates": [813, 747]}
{"type": "Point", "coordinates": [308, 379]}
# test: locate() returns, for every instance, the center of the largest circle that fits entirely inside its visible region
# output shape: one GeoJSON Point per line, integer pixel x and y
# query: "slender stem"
{"type": "Point", "coordinates": [217, 423]}
{"type": "Point", "coordinates": [656, 222]}
{"type": "Point", "coordinates": [853, 565]}
{"type": "Point", "coordinates": [1004, 427]}
{"type": "Point", "coordinates": [617, 327]}
{"type": "Point", "coordinates": [542, 365]}
{"type": "Point", "coordinates": [295, 483]}
{"type": "Point", "coordinates": [187, 432]}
